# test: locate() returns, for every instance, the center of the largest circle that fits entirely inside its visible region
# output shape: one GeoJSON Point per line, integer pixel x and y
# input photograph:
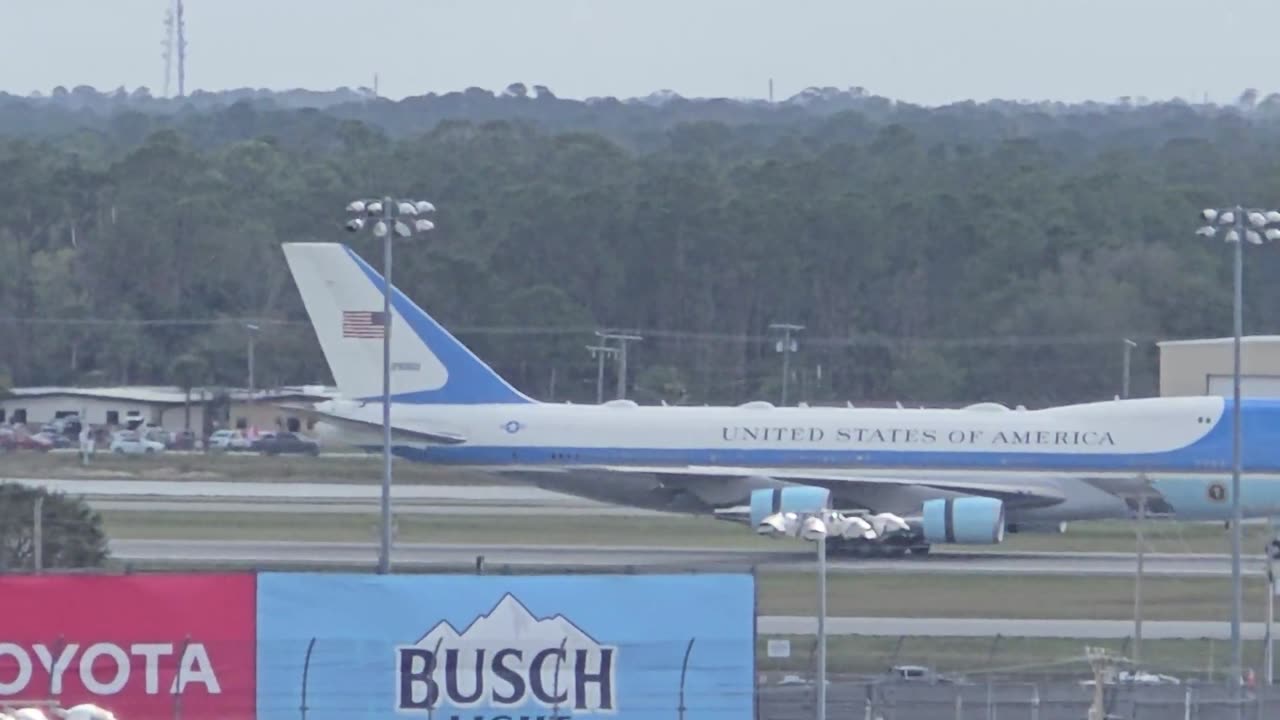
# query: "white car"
{"type": "Point", "coordinates": [130, 442]}
{"type": "Point", "coordinates": [228, 440]}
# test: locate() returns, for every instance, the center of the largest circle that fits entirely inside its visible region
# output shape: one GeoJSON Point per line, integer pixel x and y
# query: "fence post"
{"type": "Point", "coordinates": [959, 704]}
{"type": "Point", "coordinates": [1035, 701]}
{"type": "Point", "coordinates": [990, 706]}
{"type": "Point", "coordinates": [177, 680]}
{"type": "Point", "coordinates": [306, 673]}
{"type": "Point", "coordinates": [555, 682]}
{"type": "Point", "coordinates": [435, 662]}
{"type": "Point", "coordinates": [684, 669]}
{"type": "Point", "coordinates": [58, 646]}
{"type": "Point", "coordinates": [37, 535]}
{"type": "Point", "coordinates": [1186, 707]}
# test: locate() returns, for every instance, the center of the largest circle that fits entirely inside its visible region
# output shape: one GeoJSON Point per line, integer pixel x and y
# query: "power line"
{"type": "Point", "coordinates": [867, 339]}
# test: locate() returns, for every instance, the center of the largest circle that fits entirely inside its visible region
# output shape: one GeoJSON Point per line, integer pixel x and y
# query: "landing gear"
{"type": "Point", "coordinates": [857, 548]}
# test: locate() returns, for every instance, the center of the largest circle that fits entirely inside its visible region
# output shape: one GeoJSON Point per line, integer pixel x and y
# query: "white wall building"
{"type": "Point", "coordinates": [1205, 366]}
{"type": "Point", "coordinates": [157, 405]}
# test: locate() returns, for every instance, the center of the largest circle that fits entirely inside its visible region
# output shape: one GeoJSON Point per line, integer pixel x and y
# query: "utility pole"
{"type": "Point", "coordinates": [600, 352]}
{"type": "Point", "coordinates": [253, 334]}
{"type": "Point", "coordinates": [622, 356]}
{"type": "Point", "coordinates": [786, 346]}
{"type": "Point", "coordinates": [1129, 345]}
{"type": "Point", "coordinates": [182, 50]}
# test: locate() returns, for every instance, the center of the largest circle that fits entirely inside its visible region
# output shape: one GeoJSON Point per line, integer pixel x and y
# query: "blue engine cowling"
{"type": "Point", "coordinates": [798, 499]}
{"type": "Point", "coordinates": [966, 520]}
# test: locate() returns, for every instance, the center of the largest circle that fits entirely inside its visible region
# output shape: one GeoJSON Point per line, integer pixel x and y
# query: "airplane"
{"type": "Point", "coordinates": [886, 481]}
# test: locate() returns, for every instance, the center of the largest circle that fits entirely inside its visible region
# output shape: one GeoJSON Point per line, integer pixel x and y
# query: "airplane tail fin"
{"type": "Point", "coordinates": [343, 298]}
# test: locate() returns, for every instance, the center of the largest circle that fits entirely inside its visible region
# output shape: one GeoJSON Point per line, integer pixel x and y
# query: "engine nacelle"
{"type": "Point", "coordinates": [966, 520]}
{"type": "Point", "coordinates": [766, 502]}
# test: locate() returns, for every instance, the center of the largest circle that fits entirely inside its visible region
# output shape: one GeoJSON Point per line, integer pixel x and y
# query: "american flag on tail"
{"type": "Point", "coordinates": [362, 324]}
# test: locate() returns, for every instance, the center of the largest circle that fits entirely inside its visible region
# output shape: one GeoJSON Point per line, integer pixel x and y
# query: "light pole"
{"type": "Point", "coordinates": [600, 352]}
{"type": "Point", "coordinates": [786, 346]}
{"type": "Point", "coordinates": [1129, 345]}
{"type": "Point", "coordinates": [1246, 224]}
{"type": "Point", "coordinates": [815, 528]}
{"type": "Point", "coordinates": [389, 212]}
{"type": "Point", "coordinates": [621, 352]}
{"type": "Point", "coordinates": [253, 334]}
{"type": "Point", "coordinates": [1273, 553]}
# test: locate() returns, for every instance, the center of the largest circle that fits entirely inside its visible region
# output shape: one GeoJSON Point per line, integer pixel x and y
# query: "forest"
{"type": "Point", "coordinates": [976, 252]}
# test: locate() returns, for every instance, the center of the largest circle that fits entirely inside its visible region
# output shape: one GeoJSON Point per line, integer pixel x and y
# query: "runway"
{"type": "Point", "coordinates": [269, 552]}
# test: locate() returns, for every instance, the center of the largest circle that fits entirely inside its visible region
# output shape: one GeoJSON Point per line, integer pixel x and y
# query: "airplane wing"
{"type": "Point", "coordinates": [838, 481]}
{"type": "Point", "coordinates": [720, 488]}
{"type": "Point", "coordinates": [404, 434]}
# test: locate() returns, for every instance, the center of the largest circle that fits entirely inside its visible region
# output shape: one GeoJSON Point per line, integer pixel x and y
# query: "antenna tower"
{"type": "Point", "coordinates": [168, 47]}
{"type": "Point", "coordinates": [182, 51]}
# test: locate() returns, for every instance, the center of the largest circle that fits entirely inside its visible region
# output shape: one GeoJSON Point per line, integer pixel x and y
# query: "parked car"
{"type": "Point", "coordinates": [286, 442]}
{"type": "Point", "coordinates": [23, 440]}
{"type": "Point", "coordinates": [131, 442]}
{"type": "Point", "coordinates": [227, 440]}
{"type": "Point", "coordinates": [182, 440]}
{"type": "Point", "coordinates": [55, 439]}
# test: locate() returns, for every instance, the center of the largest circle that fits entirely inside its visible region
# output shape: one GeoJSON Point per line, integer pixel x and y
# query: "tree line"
{"type": "Point", "coordinates": [973, 252]}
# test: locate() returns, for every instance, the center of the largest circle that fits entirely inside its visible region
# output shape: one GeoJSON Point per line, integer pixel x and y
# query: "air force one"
{"type": "Point", "coordinates": [888, 481]}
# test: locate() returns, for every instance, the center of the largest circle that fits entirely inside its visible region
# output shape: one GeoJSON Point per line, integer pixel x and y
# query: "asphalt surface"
{"type": "Point", "coordinates": [544, 556]}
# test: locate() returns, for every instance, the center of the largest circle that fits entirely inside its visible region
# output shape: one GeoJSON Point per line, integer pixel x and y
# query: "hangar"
{"type": "Point", "coordinates": [1205, 366]}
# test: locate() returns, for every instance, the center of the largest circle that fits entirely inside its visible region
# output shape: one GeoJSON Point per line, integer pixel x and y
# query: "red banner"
{"type": "Point", "coordinates": [142, 646]}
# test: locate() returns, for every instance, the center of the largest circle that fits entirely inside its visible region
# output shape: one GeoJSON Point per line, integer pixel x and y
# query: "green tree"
{"type": "Point", "coordinates": [72, 534]}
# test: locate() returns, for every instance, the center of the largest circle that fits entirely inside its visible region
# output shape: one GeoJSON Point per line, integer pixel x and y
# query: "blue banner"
{"type": "Point", "coordinates": [465, 647]}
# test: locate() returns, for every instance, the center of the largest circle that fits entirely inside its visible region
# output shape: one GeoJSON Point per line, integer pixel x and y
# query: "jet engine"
{"type": "Point", "coordinates": [771, 506]}
{"type": "Point", "coordinates": [964, 520]}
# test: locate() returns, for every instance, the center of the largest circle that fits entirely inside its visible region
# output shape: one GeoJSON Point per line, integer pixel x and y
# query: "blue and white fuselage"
{"type": "Point", "coordinates": [951, 471]}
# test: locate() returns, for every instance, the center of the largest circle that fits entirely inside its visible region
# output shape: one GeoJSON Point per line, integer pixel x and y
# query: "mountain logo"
{"type": "Point", "coordinates": [506, 659]}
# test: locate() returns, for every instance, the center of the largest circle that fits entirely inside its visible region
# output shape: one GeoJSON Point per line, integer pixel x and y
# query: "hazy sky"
{"type": "Point", "coordinates": [925, 51]}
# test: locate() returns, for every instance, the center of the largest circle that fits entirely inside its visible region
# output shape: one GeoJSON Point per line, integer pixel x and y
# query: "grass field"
{"type": "Point", "coordinates": [232, 466]}
{"type": "Point", "coordinates": [1018, 597]}
{"type": "Point", "coordinates": [976, 657]}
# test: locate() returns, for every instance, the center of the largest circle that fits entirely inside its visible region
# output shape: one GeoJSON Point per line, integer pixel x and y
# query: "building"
{"type": "Point", "coordinates": [1205, 366]}
{"type": "Point", "coordinates": [167, 407]}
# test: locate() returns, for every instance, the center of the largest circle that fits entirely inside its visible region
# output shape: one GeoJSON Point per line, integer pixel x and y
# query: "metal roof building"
{"type": "Point", "coordinates": [1204, 366]}
{"type": "Point", "coordinates": [158, 405]}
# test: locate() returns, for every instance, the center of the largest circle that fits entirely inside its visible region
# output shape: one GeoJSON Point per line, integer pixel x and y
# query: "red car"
{"type": "Point", "coordinates": [11, 440]}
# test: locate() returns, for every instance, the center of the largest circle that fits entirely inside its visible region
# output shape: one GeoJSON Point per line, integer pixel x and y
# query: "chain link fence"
{"type": "Point", "coordinates": [1009, 699]}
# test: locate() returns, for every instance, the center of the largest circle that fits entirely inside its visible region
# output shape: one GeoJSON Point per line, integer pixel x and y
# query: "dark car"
{"type": "Point", "coordinates": [286, 442]}
{"type": "Point", "coordinates": [56, 440]}
{"type": "Point", "coordinates": [182, 440]}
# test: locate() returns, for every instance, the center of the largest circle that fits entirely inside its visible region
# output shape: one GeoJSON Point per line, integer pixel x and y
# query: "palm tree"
{"type": "Point", "coordinates": [187, 372]}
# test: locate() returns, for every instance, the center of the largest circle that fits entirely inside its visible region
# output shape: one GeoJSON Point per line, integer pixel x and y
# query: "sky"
{"type": "Point", "coordinates": [929, 52]}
